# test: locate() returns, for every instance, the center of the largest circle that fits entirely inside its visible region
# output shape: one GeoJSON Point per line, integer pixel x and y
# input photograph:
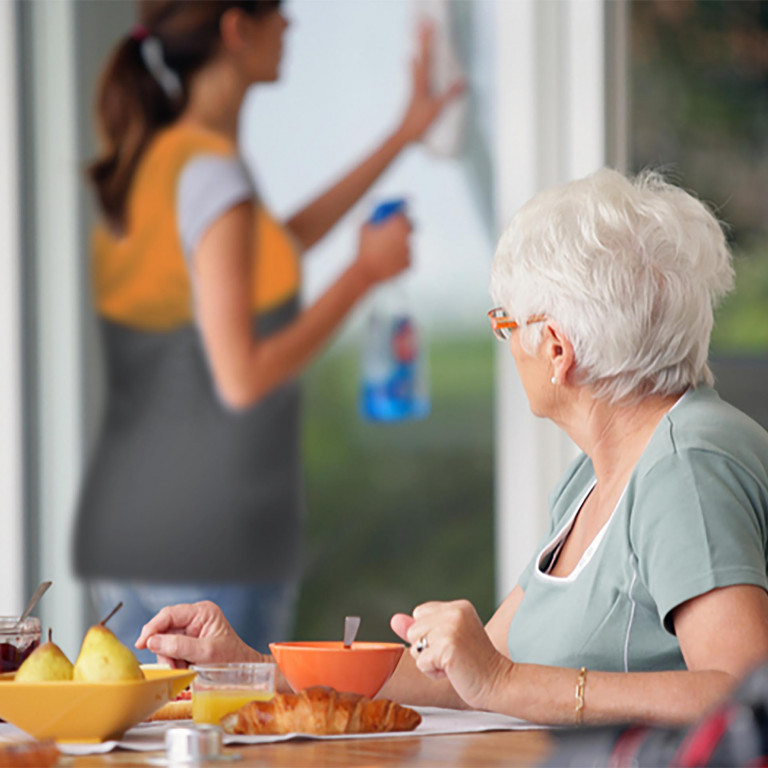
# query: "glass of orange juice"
{"type": "Point", "coordinates": [220, 689]}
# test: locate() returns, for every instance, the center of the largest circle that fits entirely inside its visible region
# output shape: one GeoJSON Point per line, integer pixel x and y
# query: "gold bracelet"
{"type": "Point", "coordinates": [581, 684]}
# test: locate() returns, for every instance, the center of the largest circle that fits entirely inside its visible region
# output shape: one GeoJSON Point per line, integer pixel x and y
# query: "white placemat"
{"type": "Point", "coordinates": [434, 721]}
{"type": "Point", "coordinates": [148, 737]}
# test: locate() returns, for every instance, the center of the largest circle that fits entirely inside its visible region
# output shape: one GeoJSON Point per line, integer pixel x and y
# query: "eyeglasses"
{"type": "Point", "coordinates": [503, 325]}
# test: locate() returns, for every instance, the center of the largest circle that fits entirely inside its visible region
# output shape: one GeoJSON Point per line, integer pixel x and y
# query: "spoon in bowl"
{"type": "Point", "coordinates": [34, 600]}
{"type": "Point", "coordinates": [351, 625]}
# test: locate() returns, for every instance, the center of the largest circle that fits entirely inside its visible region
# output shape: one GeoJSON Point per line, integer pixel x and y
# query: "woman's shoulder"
{"type": "Point", "coordinates": [701, 423]}
{"type": "Point", "coordinates": [169, 155]}
{"type": "Point", "coordinates": [208, 186]}
{"type": "Point", "coordinates": [188, 139]}
{"type": "Point", "coordinates": [707, 461]}
{"type": "Point", "coordinates": [172, 149]}
{"type": "Point", "coordinates": [698, 501]}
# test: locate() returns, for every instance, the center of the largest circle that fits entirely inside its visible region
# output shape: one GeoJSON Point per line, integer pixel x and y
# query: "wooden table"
{"type": "Point", "coordinates": [489, 749]}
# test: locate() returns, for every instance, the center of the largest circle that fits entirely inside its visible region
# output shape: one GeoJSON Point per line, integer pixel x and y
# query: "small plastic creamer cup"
{"type": "Point", "coordinates": [220, 689]}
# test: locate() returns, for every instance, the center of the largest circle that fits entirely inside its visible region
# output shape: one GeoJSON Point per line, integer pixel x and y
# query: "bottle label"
{"type": "Point", "coordinates": [393, 387]}
{"type": "Point", "coordinates": [393, 383]}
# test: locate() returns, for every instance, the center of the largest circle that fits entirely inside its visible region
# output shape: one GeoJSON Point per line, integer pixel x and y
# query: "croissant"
{"type": "Point", "coordinates": [320, 711]}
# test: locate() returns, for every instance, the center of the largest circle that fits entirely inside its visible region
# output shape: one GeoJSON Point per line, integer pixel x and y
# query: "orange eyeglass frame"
{"type": "Point", "coordinates": [502, 325]}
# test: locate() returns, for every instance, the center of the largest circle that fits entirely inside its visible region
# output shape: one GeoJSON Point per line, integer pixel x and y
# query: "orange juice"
{"type": "Point", "coordinates": [210, 706]}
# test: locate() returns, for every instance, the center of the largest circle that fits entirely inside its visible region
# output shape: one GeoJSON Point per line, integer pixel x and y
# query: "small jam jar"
{"type": "Point", "coordinates": [17, 641]}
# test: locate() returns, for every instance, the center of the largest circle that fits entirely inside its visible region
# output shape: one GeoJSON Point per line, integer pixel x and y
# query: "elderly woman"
{"type": "Point", "coordinates": [646, 599]}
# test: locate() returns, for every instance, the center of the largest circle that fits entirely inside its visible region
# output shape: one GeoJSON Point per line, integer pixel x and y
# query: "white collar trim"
{"type": "Point", "coordinates": [565, 529]}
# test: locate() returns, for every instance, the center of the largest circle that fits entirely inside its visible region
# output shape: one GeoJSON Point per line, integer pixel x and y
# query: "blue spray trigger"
{"type": "Point", "coordinates": [386, 209]}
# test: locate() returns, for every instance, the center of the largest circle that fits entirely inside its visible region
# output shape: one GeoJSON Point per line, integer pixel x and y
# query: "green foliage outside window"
{"type": "Point", "coordinates": [699, 94]}
{"type": "Point", "coordinates": [398, 513]}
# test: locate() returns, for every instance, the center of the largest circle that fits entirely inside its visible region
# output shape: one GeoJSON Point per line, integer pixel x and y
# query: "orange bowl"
{"type": "Point", "coordinates": [363, 668]}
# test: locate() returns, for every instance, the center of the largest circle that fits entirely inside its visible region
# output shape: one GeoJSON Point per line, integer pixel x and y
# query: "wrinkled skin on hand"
{"type": "Point", "coordinates": [194, 633]}
{"type": "Point", "coordinates": [457, 647]}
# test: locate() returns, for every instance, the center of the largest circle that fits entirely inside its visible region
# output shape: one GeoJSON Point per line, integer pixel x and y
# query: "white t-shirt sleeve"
{"type": "Point", "coordinates": [208, 186]}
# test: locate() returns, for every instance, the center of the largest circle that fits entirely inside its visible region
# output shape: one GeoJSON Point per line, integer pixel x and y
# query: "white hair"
{"type": "Point", "coordinates": [631, 271]}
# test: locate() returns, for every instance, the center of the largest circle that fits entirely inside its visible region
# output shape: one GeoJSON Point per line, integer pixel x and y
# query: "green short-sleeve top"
{"type": "Point", "coordinates": [693, 517]}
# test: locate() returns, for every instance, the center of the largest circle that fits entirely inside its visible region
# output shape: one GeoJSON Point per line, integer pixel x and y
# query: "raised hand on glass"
{"type": "Point", "coordinates": [425, 106]}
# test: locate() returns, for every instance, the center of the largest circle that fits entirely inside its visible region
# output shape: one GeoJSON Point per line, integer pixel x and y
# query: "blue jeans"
{"type": "Point", "coordinates": [259, 613]}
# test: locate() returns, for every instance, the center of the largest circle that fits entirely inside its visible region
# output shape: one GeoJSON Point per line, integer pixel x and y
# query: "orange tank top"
{"type": "Point", "coordinates": [141, 279]}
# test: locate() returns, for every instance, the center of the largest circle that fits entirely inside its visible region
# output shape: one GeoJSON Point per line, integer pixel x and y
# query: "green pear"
{"type": "Point", "coordinates": [46, 662]}
{"type": "Point", "coordinates": [103, 658]}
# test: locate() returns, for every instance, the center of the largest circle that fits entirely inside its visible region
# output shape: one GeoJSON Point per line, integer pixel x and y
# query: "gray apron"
{"type": "Point", "coordinates": [180, 488]}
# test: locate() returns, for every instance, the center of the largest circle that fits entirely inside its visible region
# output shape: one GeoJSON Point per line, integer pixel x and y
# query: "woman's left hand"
{"type": "Point", "coordinates": [454, 644]}
{"type": "Point", "coordinates": [425, 106]}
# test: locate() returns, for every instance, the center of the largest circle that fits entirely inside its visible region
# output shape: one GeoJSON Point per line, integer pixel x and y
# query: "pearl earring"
{"type": "Point", "coordinates": [553, 380]}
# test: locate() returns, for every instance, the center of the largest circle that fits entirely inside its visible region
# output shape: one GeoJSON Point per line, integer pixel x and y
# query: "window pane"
{"type": "Point", "coordinates": [397, 513]}
{"type": "Point", "coordinates": [699, 81]}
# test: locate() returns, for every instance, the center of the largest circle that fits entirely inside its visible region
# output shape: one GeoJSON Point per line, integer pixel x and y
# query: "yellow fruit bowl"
{"type": "Point", "coordinates": [70, 711]}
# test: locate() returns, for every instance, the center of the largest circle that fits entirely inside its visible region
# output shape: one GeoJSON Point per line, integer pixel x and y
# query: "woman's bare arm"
{"type": "Point", "coordinates": [722, 634]}
{"type": "Point", "coordinates": [314, 221]}
{"type": "Point", "coordinates": [311, 223]}
{"type": "Point", "coordinates": [409, 686]}
{"type": "Point", "coordinates": [246, 367]}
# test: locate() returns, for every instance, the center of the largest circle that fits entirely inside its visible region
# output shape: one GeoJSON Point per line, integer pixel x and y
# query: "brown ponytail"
{"type": "Point", "coordinates": [131, 104]}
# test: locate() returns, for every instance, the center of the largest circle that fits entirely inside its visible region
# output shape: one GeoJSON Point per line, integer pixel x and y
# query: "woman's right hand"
{"type": "Point", "coordinates": [448, 640]}
{"type": "Point", "coordinates": [384, 249]}
{"type": "Point", "coordinates": [194, 633]}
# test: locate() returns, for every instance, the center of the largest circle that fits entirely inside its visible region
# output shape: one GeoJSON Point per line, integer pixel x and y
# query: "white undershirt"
{"type": "Point", "coordinates": [552, 550]}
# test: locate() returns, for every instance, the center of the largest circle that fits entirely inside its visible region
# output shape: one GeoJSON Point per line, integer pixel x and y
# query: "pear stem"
{"type": "Point", "coordinates": [112, 613]}
{"type": "Point", "coordinates": [50, 635]}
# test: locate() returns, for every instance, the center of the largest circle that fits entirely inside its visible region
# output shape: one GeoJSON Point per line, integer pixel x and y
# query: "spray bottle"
{"type": "Point", "coordinates": [394, 381]}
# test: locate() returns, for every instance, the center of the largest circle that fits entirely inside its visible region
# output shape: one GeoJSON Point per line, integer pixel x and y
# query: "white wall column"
{"type": "Point", "coordinates": [66, 44]}
{"type": "Point", "coordinates": [549, 127]}
{"type": "Point", "coordinates": [56, 179]}
{"type": "Point", "coordinates": [13, 560]}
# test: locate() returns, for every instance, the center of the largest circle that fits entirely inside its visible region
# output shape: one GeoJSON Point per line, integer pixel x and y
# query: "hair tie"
{"type": "Point", "coordinates": [139, 32]}
{"type": "Point", "coordinates": [151, 50]}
